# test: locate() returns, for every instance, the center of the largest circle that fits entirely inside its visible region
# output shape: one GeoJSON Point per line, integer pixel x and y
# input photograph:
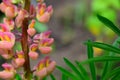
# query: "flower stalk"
{"type": "Point", "coordinates": [24, 42]}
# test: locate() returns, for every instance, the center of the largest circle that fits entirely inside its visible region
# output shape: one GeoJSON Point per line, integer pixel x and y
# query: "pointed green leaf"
{"type": "Point", "coordinates": [82, 69]}
{"type": "Point", "coordinates": [52, 77]}
{"type": "Point", "coordinates": [18, 77]}
{"type": "Point", "coordinates": [109, 24]}
{"type": "Point", "coordinates": [108, 65]}
{"type": "Point", "coordinates": [74, 68]}
{"type": "Point", "coordinates": [103, 58]}
{"type": "Point", "coordinates": [67, 73]}
{"type": "Point", "coordinates": [91, 65]}
{"type": "Point", "coordinates": [113, 72]}
{"type": "Point", "coordinates": [104, 46]}
{"type": "Point", "coordinates": [64, 77]}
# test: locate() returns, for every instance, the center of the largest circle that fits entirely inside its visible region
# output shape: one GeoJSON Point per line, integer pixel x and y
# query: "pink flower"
{"type": "Point", "coordinates": [45, 50]}
{"type": "Point", "coordinates": [4, 27]}
{"type": "Point", "coordinates": [8, 72]}
{"type": "Point", "coordinates": [9, 23]}
{"type": "Point", "coordinates": [7, 40]}
{"type": "Point", "coordinates": [7, 54]}
{"type": "Point", "coordinates": [43, 14]}
{"type": "Point", "coordinates": [31, 30]}
{"type": "Point", "coordinates": [45, 45]}
{"type": "Point", "coordinates": [41, 36]}
{"type": "Point", "coordinates": [11, 12]}
{"type": "Point", "coordinates": [44, 67]}
{"type": "Point", "coordinates": [3, 6]}
{"type": "Point", "coordinates": [32, 53]}
{"type": "Point", "coordinates": [9, 9]}
{"type": "Point", "coordinates": [20, 17]}
{"type": "Point", "coordinates": [19, 60]}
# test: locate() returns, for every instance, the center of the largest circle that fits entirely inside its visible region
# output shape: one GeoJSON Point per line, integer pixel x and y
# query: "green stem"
{"type": "Point", "coordinates": [24, 43]}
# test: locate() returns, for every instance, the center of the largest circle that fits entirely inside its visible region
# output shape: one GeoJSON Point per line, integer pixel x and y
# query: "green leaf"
{"type": "Point", "coordinates": [109, 24]}
{"type": "Point", "coordinates": [18, 77]}
{"type": "Point", "coordinates": [108, 65]}
{"type": "Point", "coordinates": [64, 77]}
{"type": "Point", "coordinates": [84, 72]}
{"type": "Point", "coordinates": [104, 46]}
{"type": "Point", "coordinates": [40, 27]}
{"type": "Point", "coordinates": [45, 78]}
{"type": "Point", "coordinates": [67, 73]}
{"type": "Point", "coordinates": [103, 58]}
{"type": "Point", "coordinates": [91, 65]}
{"type": "Point", "coordinates": [116, 77]}
{"type": "Point", "coordinates": [52, 77]}
{"type": "Point", "coordinates": [113, 72]}
{"type": "Point", "coordinates": [74, 69]}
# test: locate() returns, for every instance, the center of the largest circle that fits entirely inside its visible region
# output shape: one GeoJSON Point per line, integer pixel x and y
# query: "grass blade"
{"type": "Point", "coordinates": [74, 69]}
{"type": "Point", "coordinates": [91, 64]}
{"type": "Point", "coordinates": [109, 24]}
{"type": "Point", "coordinates": [67, 73]}
{"type": "Point", "coordinates": [84, 72]}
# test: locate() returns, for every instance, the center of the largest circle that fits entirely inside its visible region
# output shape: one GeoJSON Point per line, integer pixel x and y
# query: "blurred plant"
{"type": "Point", "coordinates": [20, 39]}
{"type": "Point", "coordinates": [87, 10]}
{"type": "Point", "coordinates": [109, 70]}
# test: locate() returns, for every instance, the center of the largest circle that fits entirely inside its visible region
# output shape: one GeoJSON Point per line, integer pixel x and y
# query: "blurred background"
{"type": "Point", "coordinates": [73, 22]}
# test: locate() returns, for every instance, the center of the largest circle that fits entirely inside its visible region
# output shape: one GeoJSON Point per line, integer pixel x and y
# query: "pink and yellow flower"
{"type": "Point", "coordinates": [45, 45]}
{"type": "Point", "coordinates": [9, 9]}
{"type": "Point", "coordinates": [18, 60]}
{"type": "Point", "coordinates": [8, 73]}
{"type": "Point", "coordinates": [9, 23]}
{"type": "Point", "coordinates": [7, 40]}
{"type": "Point", "coordinates": [7, 54]}
{"type": "Point", "coordinates": [22, 14]}
{"type": "Point", "coordinates": [43, 13]}
{"type": "Point", "coordinates": [32, 53]}
{"type": "Point", "coordinates": [44, 67]}
{"type": "Point", "coordinates": [31, 30]}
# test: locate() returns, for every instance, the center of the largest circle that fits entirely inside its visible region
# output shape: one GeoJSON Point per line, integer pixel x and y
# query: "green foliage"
{"type": "Point", "coordinates": [109, 72]}
{"type": "Point", "coordinates": [18, 77]}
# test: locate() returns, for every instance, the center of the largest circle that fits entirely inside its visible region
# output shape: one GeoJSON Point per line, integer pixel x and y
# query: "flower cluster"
{"type": "Point", "coordinates": [11, 32]}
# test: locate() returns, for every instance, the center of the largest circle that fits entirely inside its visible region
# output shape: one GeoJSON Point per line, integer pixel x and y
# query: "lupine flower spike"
{"type": "Point", "coordinates": [19, 27]}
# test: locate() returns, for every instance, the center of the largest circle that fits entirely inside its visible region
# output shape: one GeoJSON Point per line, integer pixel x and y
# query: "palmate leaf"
{"type": "Point", "coordinates": [104, 46]}
{"type": "Point", "coordinates": [103, 58]}
{"type": "Point", "coordinates": [67, 73]}
{"type": "Point", "coordinates": [74, 69]}
{"type": "Point", "coordinates": [91, 65]}
{"type": "Point", "coordinates": [109, 24]}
